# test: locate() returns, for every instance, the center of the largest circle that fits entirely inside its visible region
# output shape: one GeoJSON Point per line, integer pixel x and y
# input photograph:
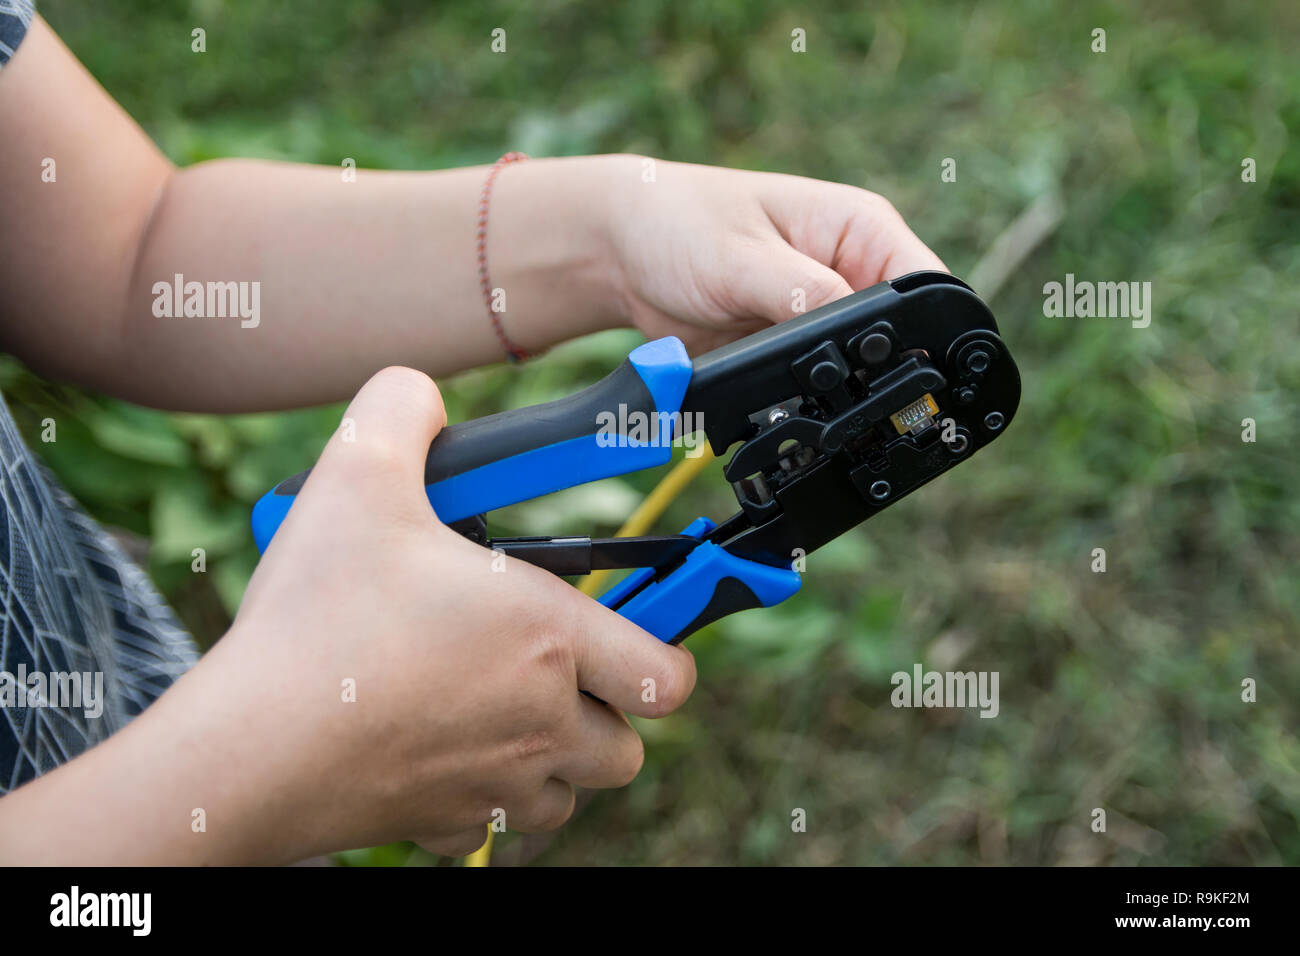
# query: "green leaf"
{"type": "Point", "coordinates": [183, 518]}
{"type": "Point", "coordinates": [136, 433]}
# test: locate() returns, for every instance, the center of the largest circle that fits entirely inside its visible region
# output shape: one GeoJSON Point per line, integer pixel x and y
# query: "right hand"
{"type": "Point", "coordinates": [466, 684]}
{"type": "Point", "coordinates": [467, 665]}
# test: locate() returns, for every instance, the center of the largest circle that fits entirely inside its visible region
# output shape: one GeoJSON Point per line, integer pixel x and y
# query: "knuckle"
{"type": "Point", "coordinates": [382, 455]}
{"type": "Point", "coordinates": [535, 744]}
{"type": "Point", "coordinates": [362, 464]}
{"type": "Point", "coordinates": [822, 284]}
{"type": "Point", "coordinates": [743, 248]}
{"type": "Point", "coordinates": [550, 652]}
{"type": "Point", "coordinates": [879, 206]}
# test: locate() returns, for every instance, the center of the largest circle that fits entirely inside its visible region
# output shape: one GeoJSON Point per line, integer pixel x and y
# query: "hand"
{"type": "Point", "coordinates": [466, 686]}
{"type": "Point", "coordinates": [711, 254]}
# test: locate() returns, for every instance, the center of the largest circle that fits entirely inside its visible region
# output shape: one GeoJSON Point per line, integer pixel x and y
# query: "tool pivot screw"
{"type": "Point", "coordinates": [880, 490]}
{"type": "Point", "coordinates": [993, 421]}
{"type": "Point", "coordinates": [777, 415]}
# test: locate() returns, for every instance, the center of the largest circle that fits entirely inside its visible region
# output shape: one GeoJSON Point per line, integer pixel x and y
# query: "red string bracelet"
{"type": "Point", "coordinates": [513, 352]}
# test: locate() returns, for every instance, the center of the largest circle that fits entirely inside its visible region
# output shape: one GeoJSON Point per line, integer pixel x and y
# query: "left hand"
{"type": "Point", "coordinates": [710, 254]}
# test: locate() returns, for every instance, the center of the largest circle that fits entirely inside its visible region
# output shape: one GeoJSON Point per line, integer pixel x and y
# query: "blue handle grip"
{"type": "Point", "coordinates": [711, 583]}
{"type": "Point", "coordinates": [624, 423]}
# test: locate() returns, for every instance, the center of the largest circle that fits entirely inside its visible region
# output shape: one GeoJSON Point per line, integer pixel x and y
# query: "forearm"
{"type": "Point", "coordinates": [339, 275]}
{"type": "Point", "coordinates": [351, 277]}
{"type": "Point", "coordinates": [339, 278]}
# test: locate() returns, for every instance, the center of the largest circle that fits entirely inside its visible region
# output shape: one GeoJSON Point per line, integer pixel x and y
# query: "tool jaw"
{"type": "Point", "coordinates": [870, 398]}
{"type": "Point", "coordinates": [761, 370]}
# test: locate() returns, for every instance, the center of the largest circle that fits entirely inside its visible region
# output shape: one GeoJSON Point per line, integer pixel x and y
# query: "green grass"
{"type": "Point", "coordinates": [1119, 690]}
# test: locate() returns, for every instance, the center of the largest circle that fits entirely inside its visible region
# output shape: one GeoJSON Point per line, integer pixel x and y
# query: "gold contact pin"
{"type": "Point", "coordinates": [917, 417]}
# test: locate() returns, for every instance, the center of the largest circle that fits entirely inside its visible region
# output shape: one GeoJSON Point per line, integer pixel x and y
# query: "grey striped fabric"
{"type": "Point", "coordinates": [71, 601]}
{"type": "Point", "coordinates": [15, 18]}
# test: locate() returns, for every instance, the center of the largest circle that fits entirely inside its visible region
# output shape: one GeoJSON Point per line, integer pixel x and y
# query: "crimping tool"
{"type": "Point", "coordinates": [840, 412]}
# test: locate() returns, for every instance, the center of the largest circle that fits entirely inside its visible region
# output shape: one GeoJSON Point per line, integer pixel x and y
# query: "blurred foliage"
{"type": "Point", "coordinates": [1119, 690]}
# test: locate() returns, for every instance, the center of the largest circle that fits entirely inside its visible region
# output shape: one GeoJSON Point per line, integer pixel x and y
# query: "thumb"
{"type": "Point", "coordinates": [781, 282]}
{"type": "Point", "coordinates": [385, 433]}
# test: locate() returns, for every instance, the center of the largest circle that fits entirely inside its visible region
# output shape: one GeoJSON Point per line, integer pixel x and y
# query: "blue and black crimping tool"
{"type": "Point", "coordinates": [839, 412]}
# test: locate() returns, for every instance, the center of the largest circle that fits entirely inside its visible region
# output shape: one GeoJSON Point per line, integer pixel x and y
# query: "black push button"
{"type": "Point", "coordinates": [820, 370]}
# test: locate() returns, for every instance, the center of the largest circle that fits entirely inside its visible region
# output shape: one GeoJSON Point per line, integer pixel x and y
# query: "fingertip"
{"type": "Point", "coordinates": [387, 428]}
{"type": "Point", "coordinates": [668, 682]}
{"type": "Point", "coordinates": [406, 392]}
{"type": "Point", "coordinates": [683, 675]}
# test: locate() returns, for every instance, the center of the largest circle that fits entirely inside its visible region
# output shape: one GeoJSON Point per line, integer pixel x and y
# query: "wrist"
{"type": "Point", "coordinates": [551, 249]}
{"type": "Point", "coordinates": [196, 779]}
{"type": "Point", "coordinates": [148, 795]}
